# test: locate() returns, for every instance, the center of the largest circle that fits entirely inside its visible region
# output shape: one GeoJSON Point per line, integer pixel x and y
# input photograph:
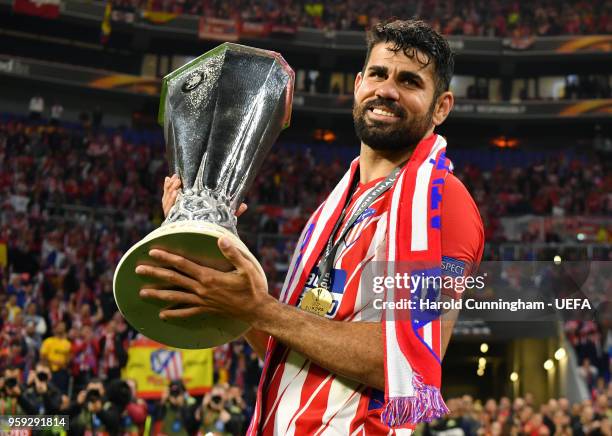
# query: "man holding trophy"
{"type": "Point", "coordinates": [333, 365]}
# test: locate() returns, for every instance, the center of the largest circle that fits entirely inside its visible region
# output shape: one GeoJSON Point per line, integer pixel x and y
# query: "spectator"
{"type": "Point", "coordinates": [120, 398]}
{"type": "Point", "coordinates": [41, 397]}
{"type": "Point", "coordinates": [57, 110]}
{"type": "Point", "coordinates": [37, 107]}
{"type": "Point", "coordinates": [11, 392]}
{"type": "Point", "coordinates": [176, 411]}
{"type": "Point", "coordinates": [33, 317]}
{"type": "Point", "coordinates": [137, 408]}
{"type": "Point", "coordinates": [107, 301]}
{"type": "Point", "coordinates": [588, 372]}
{"type": "Point", "coordinates": [13, 308]}
{"type": "Point", "coordinates": [56, 350]}
{"type": "Point", "coordinates": [89, 414]}
{"type": "Point", "coordinates": [236, 406]}
{"type": "Point", "coordinates": [85, 352]}
{"type": "Point", "coordinates": [112, 348]}
{"type": "Point", "coordinates": [212, 416]}
{"type": "Point", "coordinates": [32, 341]}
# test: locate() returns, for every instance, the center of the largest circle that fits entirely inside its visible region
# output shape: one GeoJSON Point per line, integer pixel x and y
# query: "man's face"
{"type": "Point", "coordinates": [11, 381]}
{"type": "Point", "coordinates": [393, 106]}
{"type": "Point", "coordinates": [40, 368]}
{"type": "Point", "coordinates": [60, 329]}
{"type": "Point", "coordinates": [11, 373]}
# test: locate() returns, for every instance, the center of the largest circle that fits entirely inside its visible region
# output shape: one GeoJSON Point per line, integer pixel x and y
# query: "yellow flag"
{"type": "Point", "coordinates": [106, 23]}
{"type": "Point", "coordinates": [3, 254]}
{"type": "Point", "coordinates": [153, 366]}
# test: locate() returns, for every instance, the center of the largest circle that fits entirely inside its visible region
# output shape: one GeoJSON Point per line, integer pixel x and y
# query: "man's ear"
{"type": "Point", "coordinates": [443, 107]}
{"type": "Point", "coordinates": [358, 80]}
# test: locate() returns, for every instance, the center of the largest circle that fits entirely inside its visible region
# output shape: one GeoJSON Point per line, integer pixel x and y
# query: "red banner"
{"type": "Point", "coordinates": [284, 29]}
{"type": "Point", "coordinates": [39, 8]}
{"type": "Point", "coordinates": [218, 29]}
{"type": "Point", "coordinates": [254, 30]}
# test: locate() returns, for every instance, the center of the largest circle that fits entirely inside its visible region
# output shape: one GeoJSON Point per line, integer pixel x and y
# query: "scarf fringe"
{"type": "Point", "coordinates": [426, 405]}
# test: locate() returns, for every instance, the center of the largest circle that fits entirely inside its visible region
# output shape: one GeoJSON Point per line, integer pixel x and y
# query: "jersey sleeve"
{"type": "Point", "coordinates": [462, 229]}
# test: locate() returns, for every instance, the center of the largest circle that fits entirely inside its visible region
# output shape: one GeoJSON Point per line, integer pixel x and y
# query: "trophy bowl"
{"type": "Point", "coordinates": [221, 113]}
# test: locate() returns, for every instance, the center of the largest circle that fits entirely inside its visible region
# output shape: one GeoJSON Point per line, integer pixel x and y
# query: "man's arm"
{"type": "Point", "coordinates": [462, 242]}
{"type": "Point", "coordinates": [258, 341]}
{"type": "Point", "coordinates": [350, 349]}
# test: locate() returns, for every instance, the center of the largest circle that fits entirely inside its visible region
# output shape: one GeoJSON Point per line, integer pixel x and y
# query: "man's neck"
{"type": "Point", "coordinates": [374, 164]}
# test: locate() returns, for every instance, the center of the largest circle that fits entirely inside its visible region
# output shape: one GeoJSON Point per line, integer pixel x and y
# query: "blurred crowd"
{"type": "Point", "coordinates": [75, 197]}
{"type": "Point", "coordinates": [111, 407]}
{"type": "Point", "coordinates": [558, 186]}
{"type": "Point", "coordinates": [87, 193]}
{"type": "Point", "coordinates": [593, 347]}
{"type": "Point", "coordinates": [60, 331]}
{"type": "Point", "coordinates": [499, 18]}
{"type": "Point", "coordinates": [581, 87]}
{"type": "Point", "coordinates": [522, 416]}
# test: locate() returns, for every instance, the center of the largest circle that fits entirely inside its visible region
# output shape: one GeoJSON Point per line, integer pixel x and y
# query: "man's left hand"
{"type": "Point", "coordinates": [236, 294]}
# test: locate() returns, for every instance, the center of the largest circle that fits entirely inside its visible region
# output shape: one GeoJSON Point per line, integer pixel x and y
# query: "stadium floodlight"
{"type": "Point", "coordinates": [560, 353]}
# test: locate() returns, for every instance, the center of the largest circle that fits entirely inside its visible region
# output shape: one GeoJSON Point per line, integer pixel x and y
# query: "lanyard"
{"type": "Point", "coordinates": [327, 260]}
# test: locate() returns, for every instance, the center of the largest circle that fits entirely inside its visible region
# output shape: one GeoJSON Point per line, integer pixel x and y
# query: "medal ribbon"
{"type": "Point", "coordinates": [327, 260]}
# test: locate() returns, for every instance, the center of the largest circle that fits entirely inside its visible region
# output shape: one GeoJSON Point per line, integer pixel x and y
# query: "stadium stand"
{"type": "Point", "coordinates": [470, 18]}
{"type": "Point", "coordinates": [64, 190]}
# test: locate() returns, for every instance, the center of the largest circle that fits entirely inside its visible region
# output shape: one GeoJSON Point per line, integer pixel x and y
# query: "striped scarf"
{"type": "Point", "coordinates": [412, 342]}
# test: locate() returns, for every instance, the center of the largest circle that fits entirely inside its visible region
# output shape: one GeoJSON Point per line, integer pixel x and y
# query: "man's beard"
{"type": "Point", "coordinates": [405, 133]}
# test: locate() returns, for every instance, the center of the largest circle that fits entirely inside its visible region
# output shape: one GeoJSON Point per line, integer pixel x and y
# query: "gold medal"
{"type": "Point", "coordinates": [317, 301]}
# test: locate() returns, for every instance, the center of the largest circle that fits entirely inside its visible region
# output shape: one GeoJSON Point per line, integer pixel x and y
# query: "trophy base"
{"type": "Point", "coordinates": [197, 241]}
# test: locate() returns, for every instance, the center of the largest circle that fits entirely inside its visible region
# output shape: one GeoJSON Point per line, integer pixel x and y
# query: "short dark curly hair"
{"type": "Point", "coordinates": [413, 36]}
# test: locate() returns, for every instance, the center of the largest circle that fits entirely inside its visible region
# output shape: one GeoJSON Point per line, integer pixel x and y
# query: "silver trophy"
{"type": "Point", "coordinates": [221, 114]}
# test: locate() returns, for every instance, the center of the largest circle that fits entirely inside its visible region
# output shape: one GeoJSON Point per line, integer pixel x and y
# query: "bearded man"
{"type": "Point", "coordinates": [335, 362]}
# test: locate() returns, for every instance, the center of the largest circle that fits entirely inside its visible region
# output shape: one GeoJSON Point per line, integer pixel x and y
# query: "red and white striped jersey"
{"type": "Point", "coordinates": [302, 398]}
